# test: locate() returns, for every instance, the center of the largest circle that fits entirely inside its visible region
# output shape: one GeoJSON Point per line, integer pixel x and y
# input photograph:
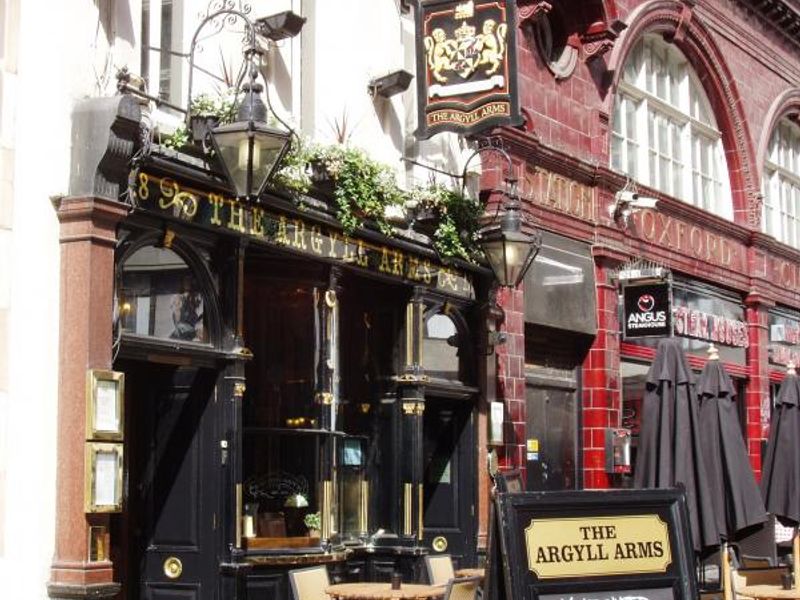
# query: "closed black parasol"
{"type": "Point", "coordinates": [669, 453]}
{"type": "Point", "coordinates": [780, 478]}
{"type": "Point", "coordinates": [734, 492]}
{"type": "Point", "coordinates": [780, 481]}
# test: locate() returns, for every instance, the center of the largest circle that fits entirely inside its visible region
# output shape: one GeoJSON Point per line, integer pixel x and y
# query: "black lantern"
{"type": "Point", "coordinates": [508, 247]}
{"type": "Point", "coordinates": [249, 149]}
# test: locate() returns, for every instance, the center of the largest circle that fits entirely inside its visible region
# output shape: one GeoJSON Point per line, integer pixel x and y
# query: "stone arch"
{"type": "Point", "coordinates": [786, 103]}
{"type": "Point", "coordinates": [675, 21]}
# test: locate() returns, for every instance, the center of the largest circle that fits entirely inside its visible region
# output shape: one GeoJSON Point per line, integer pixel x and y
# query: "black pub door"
{"type": "Point", "coordinates": [173, 483]}
{"type": "Point", "coordinates": [449, 479]}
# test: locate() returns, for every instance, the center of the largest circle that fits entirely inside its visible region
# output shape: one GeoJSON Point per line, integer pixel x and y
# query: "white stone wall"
{"type": "Point", "coordinates": [54, 53]}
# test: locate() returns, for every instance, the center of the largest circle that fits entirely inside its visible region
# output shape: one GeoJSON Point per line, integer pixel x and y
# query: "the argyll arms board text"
{"type": "Point", "coordinates": [167, 196]}
{"type": "Point", "coordinates": [583, 547]}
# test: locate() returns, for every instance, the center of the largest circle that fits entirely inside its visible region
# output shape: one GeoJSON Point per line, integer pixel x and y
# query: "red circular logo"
{"type": "Point", "coordinates": [646, 302]}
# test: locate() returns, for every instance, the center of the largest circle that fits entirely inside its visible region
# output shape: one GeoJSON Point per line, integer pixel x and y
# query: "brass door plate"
{"type": "Point", "coordinates": [173, 567]}
{"type": "Point", "coordinates": [439, 543]}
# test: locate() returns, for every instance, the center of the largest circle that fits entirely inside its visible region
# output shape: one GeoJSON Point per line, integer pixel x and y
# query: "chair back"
{"type": "Point", "coordinates": [462, 588]}
{"type": "Point", "coordinates": [309, 583]}
{"type": "Point", "coordinates": [762, 576]}
{"type": "Point", "coordinates": [440, 568]}
{"type": "Point", "coordinates": [759, 540]}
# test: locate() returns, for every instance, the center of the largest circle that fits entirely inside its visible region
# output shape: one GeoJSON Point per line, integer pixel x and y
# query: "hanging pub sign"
{"type": "Point", "coordinates": [647, 309]}
{"type": "Point", "coordinates": [590, 545]}
{"type": "Point", "coordinates": [466, 66]}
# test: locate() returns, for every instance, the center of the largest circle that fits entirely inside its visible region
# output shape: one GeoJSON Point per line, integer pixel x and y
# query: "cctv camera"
{"type": "Point", "coordinates": [626, 196]}
{"type": "Point", "coordinates": [643, 202]}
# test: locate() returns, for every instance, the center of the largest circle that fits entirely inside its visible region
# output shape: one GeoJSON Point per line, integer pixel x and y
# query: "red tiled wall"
{"type": "Point", "coordinates": [511, 377]}
{"type": "Point", "coordinates": [601, 394]}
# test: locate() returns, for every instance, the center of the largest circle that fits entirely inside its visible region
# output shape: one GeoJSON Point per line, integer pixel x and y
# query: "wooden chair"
{"type": "Point", "coordinates": [309, 583]}
{"type": "Point", "coordinates": [462, 588]}
{"type": "Point", "coordinates": [761, 576]}
{"type": "Point", "coordinates": [440, 568]}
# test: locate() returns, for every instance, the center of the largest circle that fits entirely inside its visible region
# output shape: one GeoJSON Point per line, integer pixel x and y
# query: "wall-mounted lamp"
{"type": "Point", "coordinates": [390, 84]}
{"type": "Point", "coordinates": [509, 243]}
{"type": "Point", "coordinates": [280, 26]}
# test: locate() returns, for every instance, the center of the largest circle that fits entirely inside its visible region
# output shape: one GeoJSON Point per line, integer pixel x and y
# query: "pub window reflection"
{"type": "Point", "coordinates": [282, 430]}
{"type": "Point", "coordinates": [159, 296]}
{"type": "Point", "coordinates": [440, 344]}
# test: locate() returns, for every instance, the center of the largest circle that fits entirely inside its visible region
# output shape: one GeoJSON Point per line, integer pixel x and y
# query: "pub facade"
{"type": "Point", "coordinates": [281, 391]}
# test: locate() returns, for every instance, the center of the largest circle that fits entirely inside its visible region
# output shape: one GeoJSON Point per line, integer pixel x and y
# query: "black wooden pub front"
{"type": "Point", "coordinates": [277, 369]}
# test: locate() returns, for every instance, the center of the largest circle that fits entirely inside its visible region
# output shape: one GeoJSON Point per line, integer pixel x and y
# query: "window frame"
{"type": "Point", "coordinates": [683, 113]}
{"type": "Point", "coordinates": [780, 213]}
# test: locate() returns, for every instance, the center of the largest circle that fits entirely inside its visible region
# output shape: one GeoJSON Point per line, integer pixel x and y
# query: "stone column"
{"type": "Point", "coordinates": [88, 239]}
{"type": "Point", "coordinates": [105, 133]}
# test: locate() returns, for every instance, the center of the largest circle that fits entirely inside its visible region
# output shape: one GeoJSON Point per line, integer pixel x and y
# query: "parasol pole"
{"type": "Point", "coordinates": [790, 370]}
{"type": "Point", "coordinates": [727, 593]}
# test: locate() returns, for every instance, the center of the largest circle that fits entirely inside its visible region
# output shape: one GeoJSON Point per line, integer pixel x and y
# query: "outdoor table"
{"type": "Point", "coordinates": [767, 592]}
{"type": "Point", "coordinates": [384, 591]}
{"type": "Point", "coordinates": [469, 572]}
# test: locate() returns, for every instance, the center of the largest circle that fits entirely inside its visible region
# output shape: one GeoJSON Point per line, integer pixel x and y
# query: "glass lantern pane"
{"type": "Point", "coordinates": [233, 149]}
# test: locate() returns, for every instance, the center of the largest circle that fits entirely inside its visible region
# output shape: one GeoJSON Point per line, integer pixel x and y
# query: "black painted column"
{"type": "Point", "coordinates": [411, 407]}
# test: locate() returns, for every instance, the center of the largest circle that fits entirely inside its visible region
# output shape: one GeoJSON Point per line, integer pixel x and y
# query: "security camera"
{"type": "Point", "coordinates": [634, 200]}
{"type": "Point", "coordinates": [644, 202]}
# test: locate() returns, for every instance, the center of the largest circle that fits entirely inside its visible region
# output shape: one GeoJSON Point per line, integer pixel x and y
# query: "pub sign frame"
{"type": "Point", "coordinates": [647, 309]}
{"type": "Point", "coordinates": [466, 66]}
{"type": "Point", "coordinates": [519, 516]}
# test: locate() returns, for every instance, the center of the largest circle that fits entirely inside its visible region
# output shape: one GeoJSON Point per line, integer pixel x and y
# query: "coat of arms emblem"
{"type": "Point", "coordinates": [468, 52]}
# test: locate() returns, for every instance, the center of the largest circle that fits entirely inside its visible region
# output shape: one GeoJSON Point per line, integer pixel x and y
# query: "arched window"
{"type": "Point", "coordinates": [781, 184]}
{"type": "Point", "coordinates": [160, 296]}
{"type": "Point", "coordinates": [664, 133]}
{"type": "Point", "coordinates": [440, 344]}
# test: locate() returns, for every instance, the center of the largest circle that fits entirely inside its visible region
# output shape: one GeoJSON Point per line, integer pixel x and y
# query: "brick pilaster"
{"type": "Point", "coordinates": [757, 391]}
{"type": "Point", "coordinates": [601, 402]}
{"type": "Point", "coordinates": [511, 377]}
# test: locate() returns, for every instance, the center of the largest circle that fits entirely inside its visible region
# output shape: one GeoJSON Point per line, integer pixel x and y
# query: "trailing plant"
{"type": "Point", "coordinates": [457, 214]}
{"type": "Point", "coordinates": [177, 139]}
{"type": "Point", "coordinates": [313, 521]}
{"type": "Point", "coordinates": [220, 106]}
{"type": "Point", "coordinates": [295, 171]}
{"type": "Point", "coordinates": [364, 188]}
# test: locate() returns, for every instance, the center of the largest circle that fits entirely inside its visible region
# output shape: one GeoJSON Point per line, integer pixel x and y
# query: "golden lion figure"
{"type": "Point", "coordinates": [492, 45]}
{"type": "Point", "coordinates": [439, 50]}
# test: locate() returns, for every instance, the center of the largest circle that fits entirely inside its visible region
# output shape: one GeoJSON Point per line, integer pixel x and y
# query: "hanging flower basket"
{"type": "Point", "coordinates": [425, 220]}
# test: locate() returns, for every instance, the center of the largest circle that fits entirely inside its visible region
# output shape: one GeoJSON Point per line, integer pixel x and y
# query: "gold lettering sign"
{"type": "Point", "coordinates": [174, 199]}
{"type": "Point", "coordinates": [560, 194]}
{"type": "Point", "coordinates": [584, 547]}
